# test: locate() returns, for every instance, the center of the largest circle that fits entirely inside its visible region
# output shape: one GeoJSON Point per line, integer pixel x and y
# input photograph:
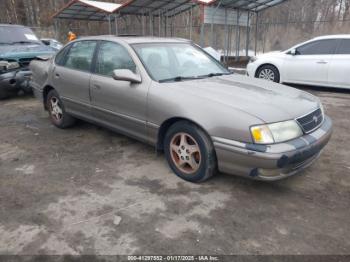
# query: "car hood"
{"type": "Point", "coordinates": [271, 54]}
{"type": "Point", "coordinates": [270, 102]}
{"type": "Point", "coordinates": [16, 52]}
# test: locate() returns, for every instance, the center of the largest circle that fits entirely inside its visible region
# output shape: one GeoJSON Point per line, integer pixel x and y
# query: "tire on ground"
{"type": "Point", "coordinates": [208, 162]}
{"type": "Point", "coordinates": [273, 69]}
{"type": "Point", "coordinates": [66, 120]}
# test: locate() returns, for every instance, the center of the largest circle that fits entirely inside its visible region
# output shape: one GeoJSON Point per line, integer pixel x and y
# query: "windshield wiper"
{"type": "Point", "coordinates": [216, 74]}
{"type": "Point", "coordinates": [179, 79]}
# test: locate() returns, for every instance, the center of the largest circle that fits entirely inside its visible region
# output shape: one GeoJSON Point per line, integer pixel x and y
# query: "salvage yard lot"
{"type": "Point", "coordinates": [87, 190]}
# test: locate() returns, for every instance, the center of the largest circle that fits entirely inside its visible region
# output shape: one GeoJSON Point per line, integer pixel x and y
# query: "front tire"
{"type": "Point", "coordinates": [190, 152]}
{"type": "Point", "coordinates": [57, 112]}
{"type": "Point", "coordinates": [269, 73]}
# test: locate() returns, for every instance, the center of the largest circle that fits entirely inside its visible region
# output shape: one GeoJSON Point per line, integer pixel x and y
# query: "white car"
{"type": "Point", "coordinates": [322, 61]}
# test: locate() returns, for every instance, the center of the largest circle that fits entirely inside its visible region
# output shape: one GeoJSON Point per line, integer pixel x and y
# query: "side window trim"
{"type": "Point", "coordinates": [318, 41]}
{"type": "Point", "coordinates": [340, 42]}
{"type": "Point", "coordinates": [64, 52]}
{"type": "Point", "coordinates": [95, 61]}
{"type": "Point", "coordinates": [95, 56]}
{"type": "Point", "coordinates": [67, 53]}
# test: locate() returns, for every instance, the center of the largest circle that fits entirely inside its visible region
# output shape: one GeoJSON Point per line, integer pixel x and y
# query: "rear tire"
{"type": "Point", "coordinates": [269, 73]}
{"type": "Point", "coordinates": [57, 112]}
{"type": "Point", "coordinates": [190, 152]}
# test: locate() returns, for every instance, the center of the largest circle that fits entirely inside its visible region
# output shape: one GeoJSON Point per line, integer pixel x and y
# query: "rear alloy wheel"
{"type": "Point", "coordinates": [190, 152]}
{"type": "Point", "coordinates": [269, 72]}
{"type": "Point", "coordinates": [56, 110]}
{"type": "Point", "coordinates": [57, 113]}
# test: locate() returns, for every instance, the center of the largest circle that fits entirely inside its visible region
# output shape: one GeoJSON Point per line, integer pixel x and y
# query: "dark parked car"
{"type": "Point", "coordinates": [18, 47]}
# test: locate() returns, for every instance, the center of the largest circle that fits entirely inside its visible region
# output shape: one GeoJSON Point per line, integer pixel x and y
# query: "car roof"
{"type": "Point", "coordinates": [332, 37]}
{"type": "Point", "coordinates": [137, 40]}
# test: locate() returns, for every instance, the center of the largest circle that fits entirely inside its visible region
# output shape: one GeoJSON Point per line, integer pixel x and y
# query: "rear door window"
{"type": "Point", "coordinates": [321, 47]}
{"type": "Point", "coordinates": [344, 47]}
{"type": "Point", "coordinates": [80, 56]}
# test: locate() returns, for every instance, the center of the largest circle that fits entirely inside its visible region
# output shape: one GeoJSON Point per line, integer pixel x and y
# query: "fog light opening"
{"type": "Point", "coordinates": [12, 81]}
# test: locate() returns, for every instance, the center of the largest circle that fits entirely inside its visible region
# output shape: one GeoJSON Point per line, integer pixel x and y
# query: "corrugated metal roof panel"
{"type": "Point", "coordinates": [83, 9]}
{"type": "Point", "coordinates": [155, 7]}
{"type": "Point", "coordinates": [248, 5]}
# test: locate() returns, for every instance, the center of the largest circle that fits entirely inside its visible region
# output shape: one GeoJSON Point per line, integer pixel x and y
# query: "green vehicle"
{"type": "Point", "coordinates": [18, 47]}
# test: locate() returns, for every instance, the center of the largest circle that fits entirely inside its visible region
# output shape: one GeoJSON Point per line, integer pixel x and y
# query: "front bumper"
{"type": "Point", "coordinates": [272, 162]}
{"type": "Point", "coordinates": [251, 69]}
{"type": "Point", "coordinates": [14, 81]}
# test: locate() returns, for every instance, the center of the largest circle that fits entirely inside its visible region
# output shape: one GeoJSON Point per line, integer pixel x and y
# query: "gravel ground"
{"type": "Point", "coordinates": [87, 190]}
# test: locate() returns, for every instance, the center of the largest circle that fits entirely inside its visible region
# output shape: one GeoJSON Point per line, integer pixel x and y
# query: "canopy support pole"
{"type": "Point", "coordinates": [202, 35]}
{"type": "Point", "coordinates": [159, 24]}
{"type": "Point", "coordinates": [110, 24]}
{"type": "Point", "coordinates": [191, 21]}
{"type": "Point", "coordinates": [247, 36]}
{"type": "Point", "coordinates": [238, 36]}
{"type": "Point", "coordinates": [151, 24]}
{"type": "Point", "coordinates": [116, 25]}
{"type": "Point", "coordinates": [226, 38]}
{"type": "Point", "coordinates": [166, 24]}
{"type": "Point", "coordinates": [143, 25]}
{"type": "Point", "coordinates": [212, 24]}
{"type": "Point", "coordinates": [256, 32]}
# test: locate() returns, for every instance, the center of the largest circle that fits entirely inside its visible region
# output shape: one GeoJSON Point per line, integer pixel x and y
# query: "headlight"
{"type": "Point", "coordinates": [253, 59]}
{"type": "Point", "coordinates": [276, 133]}
{"type": "Point", "coordinates": [5, 65]}
{"type": "Point", "coordinates": [13, 65]}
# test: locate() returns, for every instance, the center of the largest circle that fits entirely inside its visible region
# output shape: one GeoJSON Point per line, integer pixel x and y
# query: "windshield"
{"type": "Point", "coordinates": [177, 61]}
{"type": "Point", "coordinates": [17, 34]}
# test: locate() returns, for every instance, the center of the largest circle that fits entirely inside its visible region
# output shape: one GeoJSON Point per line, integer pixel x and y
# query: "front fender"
{"type": "Point", "coordinates": [216, 119]}
{"type": "Point", "coordinates": [274, 61]}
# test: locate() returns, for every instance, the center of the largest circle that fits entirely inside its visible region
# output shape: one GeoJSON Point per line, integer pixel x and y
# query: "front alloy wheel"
{"type": "Point", "coordinates": [190, 152]}
{"type": "Point", "coordinates": [185, 153]}
{"type": "Point", "coordinates": [269, 73]}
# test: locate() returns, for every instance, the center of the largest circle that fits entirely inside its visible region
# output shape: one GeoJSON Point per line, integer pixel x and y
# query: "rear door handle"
{"type": "Point", "coordinates": [322, 62]}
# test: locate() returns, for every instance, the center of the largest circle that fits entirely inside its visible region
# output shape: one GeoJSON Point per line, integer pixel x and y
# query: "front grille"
{"type": "Point", "coordinates": [311, 121]}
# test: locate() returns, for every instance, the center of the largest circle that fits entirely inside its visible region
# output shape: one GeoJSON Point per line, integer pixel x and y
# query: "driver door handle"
{"type": "Point", "coordinates": [322, 62]}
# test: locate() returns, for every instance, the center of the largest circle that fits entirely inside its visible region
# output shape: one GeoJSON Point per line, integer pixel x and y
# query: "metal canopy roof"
{"type": "Point", "coordinates": [87, 10]}
{"type": "Point", "coordinates": [247, 5]}
{"type": "Point", "coordinates": [102, 11]}
{"type": "Point", "coordinates": [155, 7]}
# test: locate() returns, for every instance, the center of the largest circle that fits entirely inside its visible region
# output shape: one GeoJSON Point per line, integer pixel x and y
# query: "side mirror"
{"type": "Point", "coordinates": [293, 52]}
{"type": "Point", "coordinates": [126, 75]}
